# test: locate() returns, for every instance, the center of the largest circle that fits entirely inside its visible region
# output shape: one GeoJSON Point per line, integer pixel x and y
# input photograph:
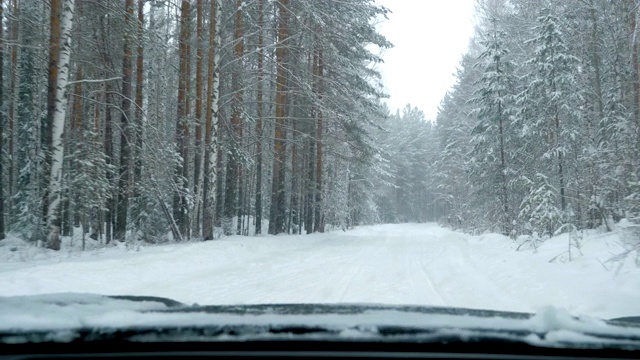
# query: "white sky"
{"type": "Point", "coordinates": [430, 36]}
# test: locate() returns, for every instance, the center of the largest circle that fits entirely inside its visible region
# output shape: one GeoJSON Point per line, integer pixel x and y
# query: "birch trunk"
{"type": "Point", "coordinates": [211, 128]}
{"type": "Point", "coordinates": [56, 122]}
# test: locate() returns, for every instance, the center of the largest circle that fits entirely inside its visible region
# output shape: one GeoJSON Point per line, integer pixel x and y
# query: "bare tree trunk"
{"type": "Point", "coordinates": [310, 190]}
{"type": "Point", "coordinates": [596, 61]}
{"type": "Point", "coordinates": [258, 203]}
{"type": "Point", "coordinates": [319, 217]}
{"type": "Point", "coordinates": [60, 33]}
{"type": "Point", "coordinates": [110, 211]}
{"type": "Point", "coordinates": [295, 180]}
{"type": "Point", "coordinates": [15, 28]}
{"type": "Point", "coordinates": [137, 170]}
{"type": "Point", "coordinates": [311, 144]}
{"type": "Point", "coordinates": [108, 216]}
{"type": "Point", "coordinates": [277, 213]}
{"type": "Point", "coordinates": [199, 154]}
{"type": "Point", "coordinates": [125, 128]}
{"type": "Point", "coordinates": [186, 158]}
{"type": "Point", "coordinates": [563, 201]}
{"type": "Point", "coordinates": [633, 19]}
{"type": "Point", "coordinates": [75, 139]}
{"type": "Point", "coordinates": [635, 64]}
{"type": "Point", "coordinates": [211, 128]}
{"type": "Point", "coordinates": [182, 127]}
{"type": "Point", "coordinates": [2, 230]}
{"type": "Point", "coordinates": [233, 192]}
{"type": "Point", "coordinates": [503, 175]}
{"type": "Point", "coordinates": [54, 50]}
{"type": "Point", "coordinates": [98, 220]}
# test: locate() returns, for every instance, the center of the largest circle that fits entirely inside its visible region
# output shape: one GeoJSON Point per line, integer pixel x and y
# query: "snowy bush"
{"type": "Point", "coordinates": [538, 209]}
{"type": "Point", "coordinates": [633, 203]}
{"type": "Point", "coordinates": [630, 242]}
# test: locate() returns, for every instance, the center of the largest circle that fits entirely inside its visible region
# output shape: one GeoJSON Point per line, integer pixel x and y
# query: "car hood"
{"type": "Point", "coordinates": [89, 317]}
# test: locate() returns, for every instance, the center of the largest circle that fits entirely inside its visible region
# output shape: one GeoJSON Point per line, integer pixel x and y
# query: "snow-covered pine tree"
{"type": "Point", "coordinates": [451, 169]}
{"type": "Point", "coordinates": [538, 210]}
{"type": "Point", "coordinates": [550, 100]}
{"type": "Point", "coordinates": [408, 148]}
{"type": "Point", "coordinates": [126, 126]}
{"type": "Point", "coordinates": [494, 100]}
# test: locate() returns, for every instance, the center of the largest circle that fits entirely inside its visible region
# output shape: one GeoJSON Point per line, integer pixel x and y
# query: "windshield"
{"type": "Point", "coordinates": [479, 154]}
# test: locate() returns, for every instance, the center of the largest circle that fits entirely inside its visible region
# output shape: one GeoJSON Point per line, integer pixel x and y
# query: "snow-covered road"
{"type": "Point", "coordinates": [393, 264]}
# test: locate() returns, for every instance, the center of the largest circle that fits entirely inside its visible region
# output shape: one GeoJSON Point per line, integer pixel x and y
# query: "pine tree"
{"type": "Point", "coordinates": [277, 213]}
{"type": "Point", "coordinates": [14, 97]}
{"type": "Point", "coordinates": [551, 95]}
{"type": "Point", "coordinates": [125, 128]}
{"type": "Point", "coordinates": [233, 186]}
{"type": "Point", "coordinates": [182, 125]}
{"type": "Point", "coordinates": [139, 121]}
{"type": "Point", "coordinates": [259, 118]}
{"type": "Point", "coordinates": [198, 144]}
{"type": "Point", "coordinates": [2, 223]}
{"type": "Point", "coordinates": [538, 209]}
{"type": "Point", "coordinates": [494, 98]}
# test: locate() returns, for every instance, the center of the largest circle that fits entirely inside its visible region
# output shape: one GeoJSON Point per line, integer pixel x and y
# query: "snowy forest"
{"type": "Point", "coordinates": [191, 119]}
{"type": "Point", "coordinates": [541, 133]}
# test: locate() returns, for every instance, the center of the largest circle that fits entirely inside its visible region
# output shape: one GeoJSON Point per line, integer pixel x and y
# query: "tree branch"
{"type": "Point", "coordinates": [93, 80]}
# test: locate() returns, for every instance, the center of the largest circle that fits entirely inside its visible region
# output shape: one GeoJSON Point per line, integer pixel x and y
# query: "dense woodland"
{"type": "Point", "coordinates": [135, 119]}
{"type": "Point", "coordinates": [541, 133]}
{"type": "Point", "coordinates": [189, 119]}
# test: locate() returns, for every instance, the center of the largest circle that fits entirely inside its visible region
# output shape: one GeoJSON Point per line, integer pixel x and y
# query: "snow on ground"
{"type": "Point", "coordinates": [420, 264]}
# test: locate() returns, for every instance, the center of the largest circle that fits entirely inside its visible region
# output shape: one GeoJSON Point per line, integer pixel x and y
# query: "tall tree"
{"type": "Point", "coordinates": [1, 125]}
{"type": "Point", "coordinates": [277, 213]}
{"type": "Point", "coordinates": [182, 124]}
{"type": "Point", "coordinates": [199, 154]}
{"type": "Point", "coordinates": [52, 89]}
{"type": "Point", "coordinates": [139, 114]}
{"type": "Point", "coordinates": [233, 193]}
{"type": "Point", "coordinates": [554, 85]}
{"type": "Point", "coordinates": [495, 101]}
{"type": "Point", "coordinates": [12, 110]}
{"type": "Point", "coordinates": [211, 127]}
{"type": "Point", "coordinates": [125, 127]}
{"type": "Point", "coordinates": [635, 64]}
{"type": "Point", "coordinates": [319, 216]}
{"type": "Point", "coordinates": [59, 56]}
{"type": "Point", "coordinates": [259, 116]}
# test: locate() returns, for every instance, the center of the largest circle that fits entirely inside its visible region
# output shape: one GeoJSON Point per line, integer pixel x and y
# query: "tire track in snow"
{"type": "Point", "coordinates": [467, 277]}
{"type": "Point", "coordinates": [429, 280]}
{"type": "Point", "coordinates": [366, 258]}
{"type": "Point", "coordinates": [391, 270]}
